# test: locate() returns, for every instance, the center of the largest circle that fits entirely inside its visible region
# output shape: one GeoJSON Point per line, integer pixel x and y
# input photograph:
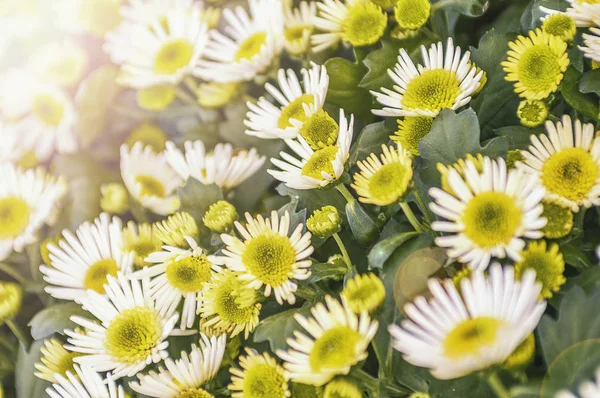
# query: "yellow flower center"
{"type": "Point", "coordinates": [548, 265]}
{"type": "Point", "coordinates": [294, 110]}
{"type": "Point", "coordinates": [321, 160]}
{"type": "Point", "coordinates": [47, 109]}
{"type": "Point", "coordinates": [570, 173]}
{"type": "Point", "coordinates": [389, 183]}
{"type": "Point", "coordinates": [364, 293]}
{"type": "Point", "coordinates": [142, 249]}
{"type": "Point", "coordinates": [560, 25]}
{"type": "Point", "coordinates": [96, 275]}
{"type": "Point", "coordinates": [539, 68]}
{"type": "Point", "coordinates": [14, 217]}
{"type": "Point", "coordinates": [412, 14]}
{"type": "Point", "coordinates": [364, 24]}
{"type": "Point", "coordinates": [150, 186]}
{"type": "Point", "coordinates": [471, 336]}
{"type": "Point", "coordinates": [532, 113]}
{"type": "Point", "coordinates": [156, 98]}
{"type": "Point", "coordinates": [231, 301]}
{"type": "Point", "coordinates": [251, 46]}
{"type": "Point", "coordinates": [28, 160]}
{"type": "Point", "coordinates": [335, 349]}
{"type": "Point", "coordinates": [263, 381]}
{"type": "Point", "coordinates": [560, 220]}
{"type": "Point", "coordinates": [411, 130]}
{"type": "Point", "coordinates": [491, 219]}
{"type": "Point", "coordinates": [305, 391]}
{"type": "Point", "coordinates": [270, 258]}
{"type": "Point", "coordinates": [189, 274]}
{"type": "Point", "coordinates": [173, 56]}
{"type": "Point", "coordinates": [295, 33]}
{"type": "Point", "coordinates": [133, 334]}
{"type": "Point", "coordinates": [150, 134]}
{"type": "Point", "coordinates": [433, 90]}
{"type": "Point", "coordinates": [194, 393]}
{"type": "Point", "coordinates": [320, 130]}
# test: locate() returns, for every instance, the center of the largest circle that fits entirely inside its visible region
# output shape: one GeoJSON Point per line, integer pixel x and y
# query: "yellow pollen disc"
{"type": "Point", "coordinates": [195, 393]}
{"type": "Point", "coordinates": [335, 349]}
{"type": "Point", "coordinates": [320, 130]}
{"type": "Point", "coordinates": [28, 160]}
{"type": "Point", "coordinates": [471, 336]}
{"type": "Point", "coordinates": [548, 264]}
{"type": "Point", "coordinates": [263, 381]}
{"type": "Point", "coordinates": [410, 131]}
{"type": "Point", "coordinates": [539, 68]}
{"type": "Point", "coordinates": [570, 173]}
{"type": "Point", "coordinates": [173, 56]}
{"type": "Point", "coordinates": [251, 46]}
{"type": "Point", "coordinates": [295, 110]}
{"type": "Point", "coordinates": [189, 273]}
{"type": "Point", "coordinates": [364, 24]}
{"type": "Point", "coordinates": [295, 33]}
{"type": "Point", "coordinates": [389, 183]}
{"type": "Point", "coordinates": [150, 186]}
{"type": "Point", "coordinates": [433, 90]}
{"type": "Point", "coordinates": [133, 334]}
{"type": "Point", "coordinates": [48, 110]}
{"type": "Point", "coordinates": [270, 258]}
{"type": "Point", "coordinates": [229, 305]}
{"type": "Point", "coordinates": [412, 14]}
{"type": "Point", "coordinates": [95, 276]}
{"type": "Point", "coordinates": [560, 25]}
{"type": "Point", "coordinates": [156, 98]}
{"type": "Point", "coordinates": [321, 160]}
{"type": "Point", "coordinates": [491, 219]}
{"type": "Point", "coordinates": [14, 217]}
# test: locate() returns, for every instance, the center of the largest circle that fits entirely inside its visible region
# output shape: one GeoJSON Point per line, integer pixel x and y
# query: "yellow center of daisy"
{"type": "Point", "coordinates": [133, 334]}
{"type": "Point", "coordinates": [522, 354]}
{"type": "Point", "coordinates": [364, 24]}
{"type": "Point", "coordinates": [560, 25]}
{"type": "Point", "coordinates": [389, 183]}
{"type": "Point", "coordinates": [27, 160]}
{"type": "Point", "coordinates": [539, 68]}
{"type": "Point", "coordinates": [251, 46]}
{"type": "Point", "coordinates": [156, 98]}
{"type": "Point", "coordinates": [294, 110]}
{"type": "Point", "coordinates": [321, 160]}
{"type": "Point", "coordinates": [150, 186]}
{"type": "Point", "coordinates": [263, 381]}
{"type": "Point", "coordinates": [194, 393]}
{"type": "Point", "coordinates": [142, 249]}
{"type": "Point", "coordinates": [570, 173]}
{"type": "Point", "coordinates": [96, 275]}
{"type": "Point", "coordinates": [173, 56]}
{"type": "Point", "coordinates": [189, 274]}
{"type": "Point", "coordinates": [150, 134]}
{"type": "Point", "coordinates": [433, 90]}
{"type": "Point", "coordinates": [14, 217]}
{"type": "Point", "coordinates": [230, 303]}
{"type": "Point", "coordinates": [532, 113]}
{"type": "Point", "coordinates": [548, 265]}
{"type": "Point", "coordinates": [335, 349]}
{"type": "Point", "coordinates": [295, 33]}
{"type": "Point", "coordinates": [560, 220]}
{"type": "Point", "coordinates": [305, 391]}
{"type": "Point", "coordinates": [270, 258]}
{"type": "Point", "coordinates": [364, 293]}
{"type": "Point", "coordinates": [470, 336]}
{"type": "Point", "coordinates": [491, 219]}
{"type": "Point", "coordinates": [411, 130]}
{"type": "Point", "coordinates": [47, 109]}
{"type": "Point", "coordinates": [320, 130]}
{"type": "Point", "coordinates": [412, 14]}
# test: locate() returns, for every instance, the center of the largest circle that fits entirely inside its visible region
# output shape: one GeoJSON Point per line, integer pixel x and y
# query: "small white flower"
{"type": "Point", "coordinates": [299, 24]}
{"type": "Point", "coordinates": [586, 13]}
{"type": "Point", "coordinates": [62, 63]}
{"type": "Point", "coordinates": [591, 44]}
{"type": "Point", "coordinates": [24, 149]}
{"type": "Point", "coordinates": [85, 383]}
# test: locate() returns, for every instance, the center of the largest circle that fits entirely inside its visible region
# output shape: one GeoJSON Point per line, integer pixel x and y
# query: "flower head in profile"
{"type": "Point", "coordinates": [84, 381]}
{"type": "Point", "coordinates": [299, 24]}
{"type": "Point", "coordinates": [591, 44]}
{"type": "Point", "coordinates": [455, 334]}
{"type": "Point", "coordinates": [141, 240]}
{"type": "Point", "coordinates": [55, 360]}
{"type": "Point", "coordinates": [447, 80]}
{"type": "Point", "coordinates": [411, 130]}
{"type": "Point", "coordinates": [175, 229]}
{"type": "Point", "coordinates": [364, 293]}
{"type": "Point", "coordinates": [11, 298]}
{"type": "Point", "coordinates": [547, 262]}
{"type": "Point", "coordinates": [259, 373]}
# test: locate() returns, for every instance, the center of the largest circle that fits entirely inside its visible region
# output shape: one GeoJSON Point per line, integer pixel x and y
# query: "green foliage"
{"type": "Point", "coordinates": [55, 319]}
{"type": "Point", "coordinates": [344, 90]}
{"type": "Point", "coordinates": [196, 197]}
{"type": "Point", "coordinates": [585, 104]}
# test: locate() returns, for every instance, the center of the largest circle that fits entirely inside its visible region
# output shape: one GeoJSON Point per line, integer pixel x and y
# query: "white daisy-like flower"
{"type": "Point", "coordinates": [587, 389]}
{"type": "Point", "coordinates": [38, 109]}
{"type": "Point", "coordinates": [299, 24]}
{"type": "Point", "coordinates": [83, 260]}
{"type": "Point", "coordinates": [85, 383]}
{"type": "Point", "coordinates": [268, 120]}
{"type": "Point", "coordinates": [162, 53]}
{"type": "Point", "coordinates": [316, 168]}
{"type": "Point", "coordinates": [338, 339]}
{"type": "Point", "coordinates": [185, 377]}
{"type": "Point", "coordinates": [591, 44]}
{"type": "Point", "coordinates": [567, 162]}
{"type": "Point", "coordinates": [224, 166]}
{"type": "Point", "coordinates": [488, 213]}
{"type": "Point", "coordinates": [454, 334]}
{"type": "Point", "coordinates": [177, 275]}
{"type": "Point", "coordinates": [62, 63]}
{"type": "Point", "coordinates": [252, 44]}
{"type": "Point", "coordinates": [131, 333]}
{"type": "Point", "coordinates": [28, 200]}
{"type": "Point", "coordinates": [25, 150]}
{"type": "Point", "coordinates": [269, 255]}
{"type": "Point", "coordinates": [585, 12]}
{"type": "Point", "coordinates": [445, 81]}
{"type": "Point", "coordinates": [149, 179]}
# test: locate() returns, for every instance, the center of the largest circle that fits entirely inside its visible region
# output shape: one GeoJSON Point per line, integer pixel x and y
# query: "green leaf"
{"type": "Point", "coordinates": [386, 247]}
{"type": "Point", "coordinates": [585, 104]}
{"type": "Point", "coordinates": [470, 8]}
{"type": "Point", "coordinates": [362, 225]}
{"type": "Point", "coordinates": [519, 137]}
{"type": "Point", "coordinates": [344, 90]}
{"type": "Point", "coordinates": [574, 256]}
{"type": "Point", "coordinates": [196, 197]}
{"type": "Point", "coordinates": [369, 141]}
{"type": "Point", "coordinates": [491, 50]}
{"type": "Point", "coordinates": [313, 199]}
{"type": "Point", "coordinates": [28, 385]}
{"type": "Point", "coordinates": [590, 82]}
{"type": "Point", "coordinates": [324, 271]}
{"type": "Point", "coordinates": [54, 319]}
{"type": "Point", "coordinates": [277, 328]}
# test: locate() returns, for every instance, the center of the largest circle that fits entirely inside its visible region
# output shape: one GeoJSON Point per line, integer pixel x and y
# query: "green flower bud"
{"type": "Point", "coordinates": [324, 222]}
{"type": "Point", "coordinates": [11, 296]}
{"type": "Point", "coordinates": [115, 198]}
{"type": "Point", "coordinates": [220, 217]}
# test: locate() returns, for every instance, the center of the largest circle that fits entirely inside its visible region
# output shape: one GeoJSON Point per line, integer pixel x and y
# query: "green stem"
{"type": "Point", "coordinates": [345, 193]}
{"type": "Point", "coordinates": [8, 345]}
{"type": "Point", "coordinates": [185, 97]}
{"type": "Point", "coordinates": [18, 332]}
{"type": "Point", "coordinates": [497, 386]}
{"type": "Point", "coordinates": [422, 206]}
{"type": "Point", "coordinates": [12, 272]}
{"type": "Point", "coordinates": [411, 216]}
{"type": "Point", "coordinates": [345, 255]}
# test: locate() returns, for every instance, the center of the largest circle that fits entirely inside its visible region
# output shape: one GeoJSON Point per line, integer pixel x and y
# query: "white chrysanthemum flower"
{"type": "Point", "coordinates": [585, 12]}
{"type": "Point", "coordinates": [338, 339]}
{"type": "Point", "coordinates": [316, 168]}
{"type": "Point", "coordinates": [177, 275]}
{"type": "Point", "coordinates": [299, 24]}
{"type": "Point", "coordinates": [162, 53]}
{"type": "Point", "coordinates": [28, 200]}
{"type": "Point", "coordinates": [269, 254]}
{"type": "Point", "coordinates": [62, 63]}
{"type": "Point", "coordinates": [149, 179]}
{"type": "Point", "coordinates": [85, 383]}
{"type": "Point", "coordinates": [454, 334]}
{"type": "Point", "coordinates": [567, 162]}
{"type": "Point", "coordinates": [131, 334]}
{"type": "Point", "coordinates": [588, 389]}
{"type": "Point", "coordinates": [224, 166]}
{"type": "Point", "coordinates": [83, 260]}
{"type": "Point", "coordinates": [252, 44]}
{"type": "Point", "coordinates": [185, 377]}
{"type": "Point", "coordinates": [488, 213]}
{"type": "Point", "coordinates": [445, 81]}
{"type": "Point", "coordinates": [38, 109]}
{"type": "Point", "coordinates": [268, 120]}
{"type": "Point", "coordinates": [591, 44]}
{"type": "Point", "coordinates": [25, 150]}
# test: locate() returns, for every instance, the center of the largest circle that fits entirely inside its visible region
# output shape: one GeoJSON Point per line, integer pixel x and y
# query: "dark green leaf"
{"type": "Point", "coordinates": [196, 197]}
{"type": "Point", "coordinates": [313, 199]}
{"type": "Point", "coordinates": [384, 248]}
{"type": "Point", "coordinates": [585, 104]}
{"type": "Point", "coordinates": [574, 256]}
{"type": "Point", "coordinates": [369, 141]}
{"type": "Point", "coordinates": [324, 271]}
{"type": "Point", "coordinates": [519, 137]}
{"type": "Point", "coordinates": [362, 225]}
{"type": "Point", "coordinates": [55, 319]}
{"type": "Point", "coordinates": [590, 82]}
{"type": "Point", "coordinates": [491, 50]}
{"type": "Point", "coordinates": [344, 90]}
{"type": "Point", "coordinates": [470, 8]}
{"type": "Point", "coordinates": [276, 328]}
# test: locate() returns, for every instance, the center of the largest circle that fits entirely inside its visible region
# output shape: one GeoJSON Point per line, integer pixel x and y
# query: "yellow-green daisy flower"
{"type": "Point", "coordinates": [260, 376]}
{"type": "Point", "coordinates": [547, 262]}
